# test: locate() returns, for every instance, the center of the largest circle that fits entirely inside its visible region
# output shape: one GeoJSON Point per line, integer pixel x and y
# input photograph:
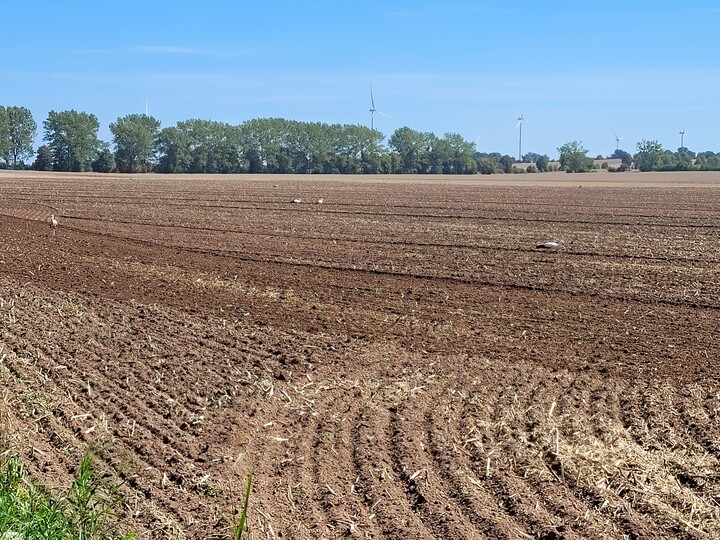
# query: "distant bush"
{"type": "Point", "coordinates": [488, 166]}
{"type": "Point", "coordinates": [604, 165]}
{"type": "Point", "coordinates": [543, 163]}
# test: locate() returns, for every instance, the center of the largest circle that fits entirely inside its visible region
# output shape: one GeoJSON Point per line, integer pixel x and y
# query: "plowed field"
{"type": "Point", "coordinates": [396, 362]}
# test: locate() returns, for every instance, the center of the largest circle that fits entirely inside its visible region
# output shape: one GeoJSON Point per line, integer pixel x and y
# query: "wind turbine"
{"type": "Point", "coordinates": [373, 110]}
{"type": "Point", "coordinates": [682, 140]}
{"type": "Point", "coordinates": [521, 121]}
{"type": "Point", "coordinates": [617, 142]}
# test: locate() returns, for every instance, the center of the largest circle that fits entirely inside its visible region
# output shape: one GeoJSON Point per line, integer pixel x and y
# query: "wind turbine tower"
{"type": "Point", "coordinates": [682, 139]}
{"type": "Point", "coordinates": [521, 121]}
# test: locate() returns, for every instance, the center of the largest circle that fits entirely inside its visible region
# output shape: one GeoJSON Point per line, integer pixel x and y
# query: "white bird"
{"type": "Point", "coordinates": [320, 200]}
{"type": "Point", "coordinates": [297, 201]}
{"type": "Point", "coordinates": [53, 223]}
{"type": "Point", "coordinates": [554, 245]}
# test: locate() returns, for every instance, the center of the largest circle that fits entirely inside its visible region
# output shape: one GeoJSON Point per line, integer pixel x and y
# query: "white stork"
{"type": "Point", "coordinates": [297, 201]}
{"type": "Point", "coordinates": [554, 245]}
{"type": "Point", "coordinates": [53, 223]}
{"type": "Point", "coordinates": [320, 200]}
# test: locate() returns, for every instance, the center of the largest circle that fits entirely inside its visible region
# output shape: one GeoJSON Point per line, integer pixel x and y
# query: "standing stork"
{"type": "Point", "coordinates": [320, 200]}
{"type": "Point", "coordinates": [53, 224]}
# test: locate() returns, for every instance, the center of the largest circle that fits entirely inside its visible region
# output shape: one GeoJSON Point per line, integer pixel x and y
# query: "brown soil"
{"type": "Point", "coordinates": [397, 362]}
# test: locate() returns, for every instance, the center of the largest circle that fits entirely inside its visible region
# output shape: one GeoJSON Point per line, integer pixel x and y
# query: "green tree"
{"type": "Point", "coordinates": [438, 156]}
{"type": "Point", "coordinates": [369, 142]}
{"type": "Point", "coordinates": [213, 147]}
{"type": "Point", "coordinates": [507, 163]}
{"type": "Point", "coordinates": [542, 163]}
{"type": "Point", "coordinates": [678, 161]}
{"type": "Point", "coordinates": [712, 163]}
{"type": "Point", "coordinates": [411, 146]}
{"type": "Point", "coordinates": [134, 138]}
{"type": "Point", "coordinates": [4, 134]}
{"type": "Point", "coordinates": [72, 139]}
{"type": "Point", "coordinates": [173, 149]}
{"type": "Point", "coordinates": [22, 129]}
{"type": "Point", "coordinates": [573, 157]}
{"type": "Point", "coordinates": [488, 165]}
{"type": "Point", "coordinates": [44, 159]}
{"type": "Point", "coordinates": [314, 152]}
{"type": "Point", "coordinates": [265, 147]}
{"type": "Point", "coordinates": [460, 155]}
{"type": "Point", "coordinates": [650, 155]}
{"type": "Point", "coordinates": [624, 156]}
{"type": "Point", "coordinates": [200, 146]}
{"type": "Point", "coordinates": [492, 155]}
{"type": "Point", "coordinates": [105, 160]}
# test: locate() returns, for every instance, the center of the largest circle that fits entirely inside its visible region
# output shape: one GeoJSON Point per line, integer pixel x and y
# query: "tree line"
{"type": "Point", "coordinates": [271, 145]}
{"type": "Point", "coordinates": [650, 156]}
{"type": "Point", "coordinates": [276, 145]}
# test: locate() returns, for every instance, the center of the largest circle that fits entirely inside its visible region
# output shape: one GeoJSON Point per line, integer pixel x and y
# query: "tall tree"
{"type": "Point", "coordinates": [461, 155]}
{"type": "Point", "coordinates": [173, 150]}
{"type": "Point", "coordinates": [22, 129]}
{"type": "Point", "coordinates": [200, 146]}
{"type": "Point", "coordinates": [104, 162]}
{"type": "Point", "coordinates": [438, 156]}
{"type": "Point", "coordinates": [412, 148]}
{"type": "Point", "coordinates": [134, 137]}
{"type": "Point", "coordinates": [573, 157]}
{"type": "Point", "coordinates": [44, 159]}
{"type": "Point", "coordinates": [72, 139]}
{"type": "Point", "coordinates": [650, 155]}
{"type": "Point", "coordinates": [4, 134]}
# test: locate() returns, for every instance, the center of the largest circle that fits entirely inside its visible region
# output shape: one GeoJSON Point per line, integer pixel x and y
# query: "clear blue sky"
{"type": "Point", "coordinates": [576, 70]}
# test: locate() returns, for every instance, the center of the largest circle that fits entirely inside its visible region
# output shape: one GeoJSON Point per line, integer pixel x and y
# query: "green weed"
{"type": "Point", "coordinates": [29, 511]}
{"type": "Point", "coordinates": [240, 527]}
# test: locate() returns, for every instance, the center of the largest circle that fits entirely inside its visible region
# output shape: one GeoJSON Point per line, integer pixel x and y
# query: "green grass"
{"type": "Point", "coordinates": [84, 512]}
{"type": "Point", "coordinates": [29, 511]}
{"type": "Point", "coordinates": [240, 527]}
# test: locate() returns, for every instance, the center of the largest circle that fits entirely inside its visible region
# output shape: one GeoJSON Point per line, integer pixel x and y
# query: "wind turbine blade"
{"type": "Point", "coordinates": [372, 100]}
{"type": "Point", "coordinates": [380, 112]}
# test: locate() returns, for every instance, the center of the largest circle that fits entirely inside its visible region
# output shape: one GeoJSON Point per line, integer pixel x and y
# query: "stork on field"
{"type": "Point", "coordinates": [553, 245]}
{"type": "Point", "coordinates": [53, 223]}
{"type": "Point", "coordinates": [320, 200]}
{"type": "Point", "coordinates": [297, 201]}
